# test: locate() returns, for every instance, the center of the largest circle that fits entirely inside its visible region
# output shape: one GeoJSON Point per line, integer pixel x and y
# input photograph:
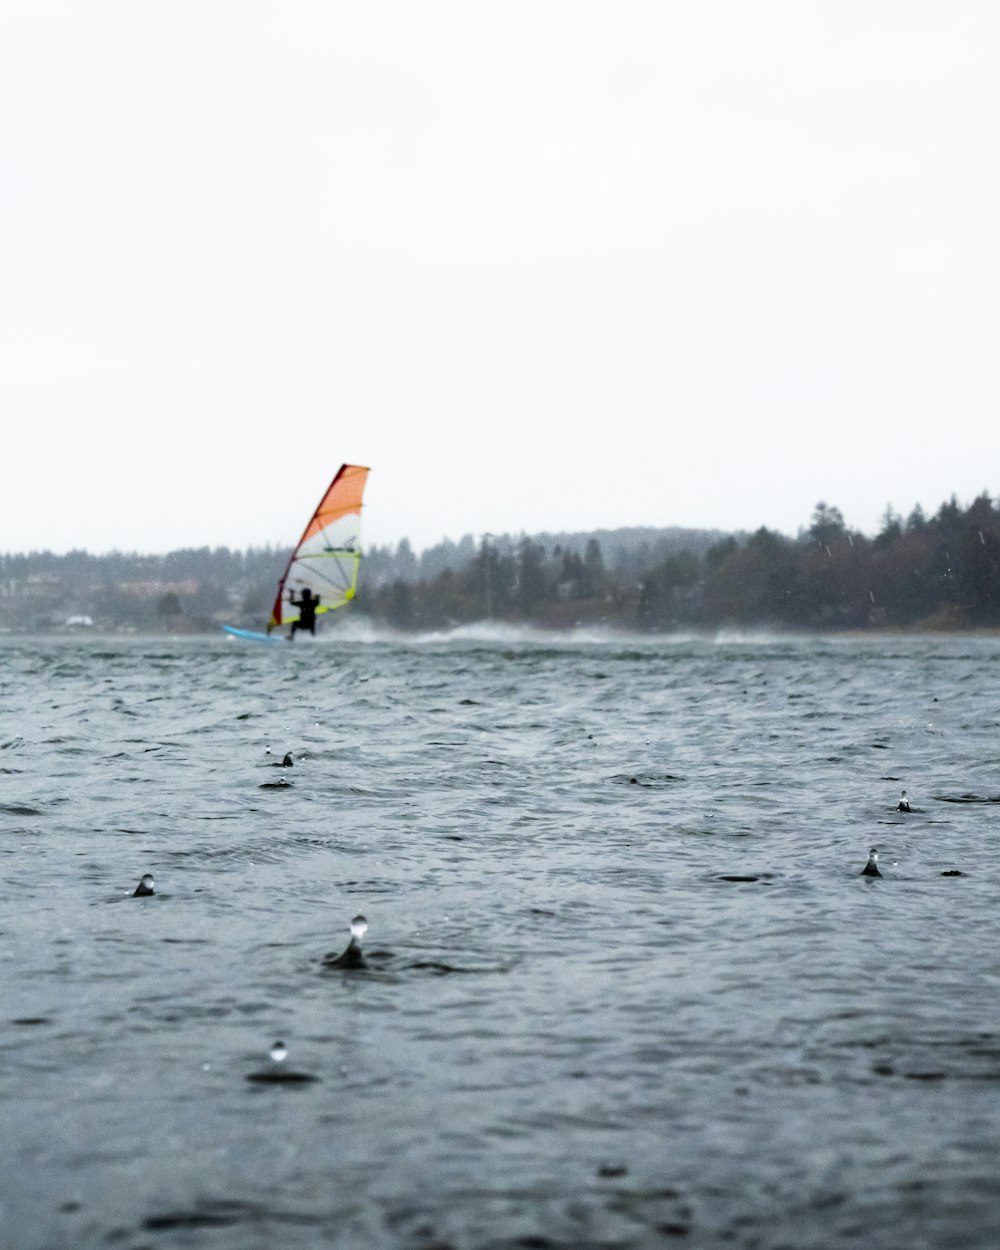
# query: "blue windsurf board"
{"type": "Point", "coordinates": [251, 635]}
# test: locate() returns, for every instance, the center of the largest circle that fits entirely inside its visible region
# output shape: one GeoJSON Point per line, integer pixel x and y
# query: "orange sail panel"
{"type": "Point", "coordinates": [326, 558]}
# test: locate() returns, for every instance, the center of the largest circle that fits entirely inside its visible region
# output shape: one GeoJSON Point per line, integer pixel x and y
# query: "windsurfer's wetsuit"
{"type": "Point", "coordinates": [307, 603]}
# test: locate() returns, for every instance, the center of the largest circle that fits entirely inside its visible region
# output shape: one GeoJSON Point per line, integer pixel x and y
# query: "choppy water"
{"type": "Point", "coordinates": [575, 1030]}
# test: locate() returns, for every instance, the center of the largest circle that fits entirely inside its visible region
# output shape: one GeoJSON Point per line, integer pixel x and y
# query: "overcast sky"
{"type": "Point", "coordinates": [542, 266]}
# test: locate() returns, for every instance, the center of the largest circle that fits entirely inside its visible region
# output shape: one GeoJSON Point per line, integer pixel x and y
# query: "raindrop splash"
{"type": "Point", "coordinates": [871, 868]}
{"type": "Point", "coordinates": [351, 956]}
{"type": "Point", "coordinates": [277, 1073]}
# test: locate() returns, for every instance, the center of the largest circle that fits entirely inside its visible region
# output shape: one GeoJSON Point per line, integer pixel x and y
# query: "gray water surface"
{"type": "Point", "coordinates": [574, 1030]}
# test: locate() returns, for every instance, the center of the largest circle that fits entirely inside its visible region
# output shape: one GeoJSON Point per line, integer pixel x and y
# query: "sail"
{"type": "Point", "coordinates": [327, 555]}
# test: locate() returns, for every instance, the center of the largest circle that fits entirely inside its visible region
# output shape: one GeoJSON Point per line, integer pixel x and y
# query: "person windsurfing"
{"type": "Point", "coordinates": [329, 552]}
{"type": "Point", "coordinates": [307, 603]}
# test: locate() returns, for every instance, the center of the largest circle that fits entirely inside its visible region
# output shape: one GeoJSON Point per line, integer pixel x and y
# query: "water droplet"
{"type": "Point", "coordinates": [145, 886]}
{"type": "Point", "coordinates": [276, 1073]}
{"type": "Point", "coordinates": [871, 868]}
{"type": "Point", "coordinates": [359, 926]}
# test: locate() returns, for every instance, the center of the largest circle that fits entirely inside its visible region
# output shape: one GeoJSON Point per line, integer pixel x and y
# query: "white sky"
{"type": "Point", "coordinates": [542, 266]}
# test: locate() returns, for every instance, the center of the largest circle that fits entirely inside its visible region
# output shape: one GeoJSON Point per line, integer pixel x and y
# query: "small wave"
{"type": "Point", "coordinates": [210, 1214]}
{"type": "Point", "coordinates": [966, 798]}
{"type": "Point", "coordinates": [745, 877]}
{"type": "Point", "coordinates": [648, 780]}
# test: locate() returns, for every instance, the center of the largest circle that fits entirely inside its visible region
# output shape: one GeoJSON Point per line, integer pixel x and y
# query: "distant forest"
{"type": "Point", "coordinates": [937, 573]}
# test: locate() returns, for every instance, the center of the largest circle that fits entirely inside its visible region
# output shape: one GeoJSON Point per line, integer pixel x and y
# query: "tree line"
{"type": "Point", "coordinates": [940, 572]}
{"type": "Point", "coordinates": [937, 572]}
